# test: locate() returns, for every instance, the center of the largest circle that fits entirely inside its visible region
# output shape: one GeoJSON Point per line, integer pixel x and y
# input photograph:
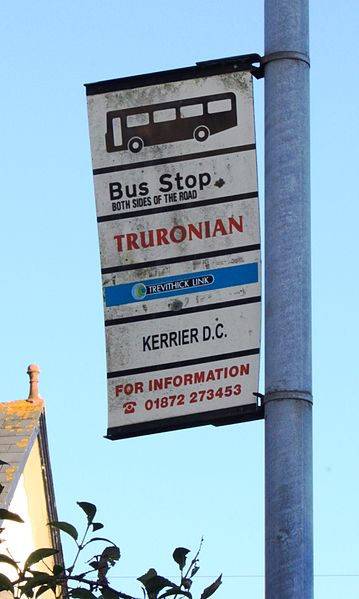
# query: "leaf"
{"type": "Point", "coordinates": [103, 562]}
{"type": "Point", "coordinates": [99, 539]}
{"type": "Point", "coordinates": [154, 583]}
{"type": "Point", "coordinates": [38, 555]}
{"type": "Point", "coordinates": [66, 527]}
{"type": "Point", "coordinates": [57, 570]}
{"type": "Point", "coordinates": [108, 593]}
{"type": "Point", "coordinates": [6, 584]}
{"type": "Point", "coordinates": [186, 583]}
{"type": "Point", "coordinates": [176, 591]}
{"type": "Point", "coordinates": [149, 574]}
{"type": "Point", "coordinates": [7, 560]}
{"type": "Point", "coordinates": [194, 570]}
{"type": "Point", "coordinates": [7, 515]}
{"type": "Point", "coordinates": [2, 463]}
{"type": "Point", "coordinates": [39, 579]}
{"type": "Point", "coordinates": [179, 555]}
{"type": "Point", "coordinates": [212, 588]}
{"type": "Point", "coordinates": [111, 554]}
{"type": "Point", "coordinates": [90, 510]}
{"type": "Point", "coordinates": [96, 526]}
{"type": "Point", "coordinates": [41, 590]}
{"type": "Point", "coordinates": [82, 593]}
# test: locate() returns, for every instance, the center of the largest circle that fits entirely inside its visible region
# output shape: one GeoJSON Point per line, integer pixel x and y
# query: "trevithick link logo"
{"type": "Point", "coordinates": [139, 291]}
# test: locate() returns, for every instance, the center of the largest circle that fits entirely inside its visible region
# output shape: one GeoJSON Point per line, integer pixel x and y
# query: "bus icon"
{"type": "Point", "coordinates": [192, 118]}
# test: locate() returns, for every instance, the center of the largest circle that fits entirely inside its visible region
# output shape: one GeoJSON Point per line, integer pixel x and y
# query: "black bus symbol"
{"type": "Point", "coordinates": [197, 118]}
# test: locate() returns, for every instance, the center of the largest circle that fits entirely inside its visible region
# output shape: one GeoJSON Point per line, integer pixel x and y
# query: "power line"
{"type": "Point", "coordinates": [253, 576]}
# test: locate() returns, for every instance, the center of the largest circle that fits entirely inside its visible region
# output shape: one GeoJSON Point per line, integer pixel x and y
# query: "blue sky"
{"type": "Point", "coordinates": [161, 491]}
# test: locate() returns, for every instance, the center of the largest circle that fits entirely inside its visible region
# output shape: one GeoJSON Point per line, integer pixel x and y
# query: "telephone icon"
{"type": "Point", "coordinates": [129, 407]}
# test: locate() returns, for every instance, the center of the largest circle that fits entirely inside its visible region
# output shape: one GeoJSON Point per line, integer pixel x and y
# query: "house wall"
{"type": "Point", "coordinates": [18, 540]}
{"type": "Point", "coordinates": [29, 502]}
{"type": "Point", "coordinates": [36, 499]}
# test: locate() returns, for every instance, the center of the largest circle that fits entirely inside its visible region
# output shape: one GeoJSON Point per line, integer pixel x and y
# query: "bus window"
{"type": "Point", "coordinates": [169, 114]}
{"type": "Point", "coordinates": [117, 131]}
{"type": "Point", "coordinates": [219, 106]}
{"type": "Point", "coordinates": [135, 120]}
{"type": "Point", "coordinates": [191, 110]}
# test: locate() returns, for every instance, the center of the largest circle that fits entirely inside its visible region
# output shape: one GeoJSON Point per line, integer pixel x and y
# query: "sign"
{"type": "Point", "coordinates": [174, 167]}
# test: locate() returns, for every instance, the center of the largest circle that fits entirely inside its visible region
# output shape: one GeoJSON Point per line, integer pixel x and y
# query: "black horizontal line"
{"type": "Point", "coordinates": [155, 315]}
{"type": "Point", "coordinates": [231, 415]}
{"type": "Point", "coordinates": [200, 70]}
{"type": "Point", "coordinates": [178, 259]}
{"type": "Point", "coordinates": [170, 159]}
{"type": "Point", "coordinates": [182, 363]}
{"type": "Point", "coordinates": [181, 206]}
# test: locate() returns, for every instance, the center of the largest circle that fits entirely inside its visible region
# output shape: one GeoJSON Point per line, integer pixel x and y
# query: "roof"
{"type": "Point", "coordinates": [21, 423]}
{"type": "Point", "coordinates": [19, 428]}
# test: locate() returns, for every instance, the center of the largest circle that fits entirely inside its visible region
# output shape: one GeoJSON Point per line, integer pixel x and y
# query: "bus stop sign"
{"type": "Point", "coordinates": [175, 180]}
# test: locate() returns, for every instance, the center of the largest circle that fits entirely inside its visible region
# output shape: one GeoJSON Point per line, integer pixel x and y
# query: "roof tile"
{"type": "Point", "coordinates": [19, 426]}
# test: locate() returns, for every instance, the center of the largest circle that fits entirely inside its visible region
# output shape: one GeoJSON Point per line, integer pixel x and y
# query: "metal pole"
{"type": "Point", "coordinates": [288, 398]}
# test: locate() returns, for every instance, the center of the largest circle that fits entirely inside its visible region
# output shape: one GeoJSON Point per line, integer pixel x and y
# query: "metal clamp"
{"type": "Point", "coordinates": [247, 61]}
{"type": "Point", "coordinates": [285, 55]}
{"type": "Point", "coordinates": [288, 394]}
{"type": "Point", "coordinates": [258, 72]}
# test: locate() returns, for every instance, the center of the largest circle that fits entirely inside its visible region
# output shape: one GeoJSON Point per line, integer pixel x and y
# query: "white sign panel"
{"type": "Point", "coordinates": [175, 181]}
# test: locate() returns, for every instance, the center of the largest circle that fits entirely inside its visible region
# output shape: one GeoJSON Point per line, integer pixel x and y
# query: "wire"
{"type": "Point", "coordinates": [254, 576]}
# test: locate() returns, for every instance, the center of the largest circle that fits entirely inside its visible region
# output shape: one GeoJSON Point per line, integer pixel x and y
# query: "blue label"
{"type": "Point", "coordinates": [219, 278]}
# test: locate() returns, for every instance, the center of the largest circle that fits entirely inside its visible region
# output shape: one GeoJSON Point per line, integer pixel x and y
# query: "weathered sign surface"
{"type": "Point", "coordinates": [175, 180]}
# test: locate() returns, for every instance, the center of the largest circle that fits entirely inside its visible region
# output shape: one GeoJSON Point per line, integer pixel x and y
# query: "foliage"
{"type": "Point", "coordinates": [93, 583]}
